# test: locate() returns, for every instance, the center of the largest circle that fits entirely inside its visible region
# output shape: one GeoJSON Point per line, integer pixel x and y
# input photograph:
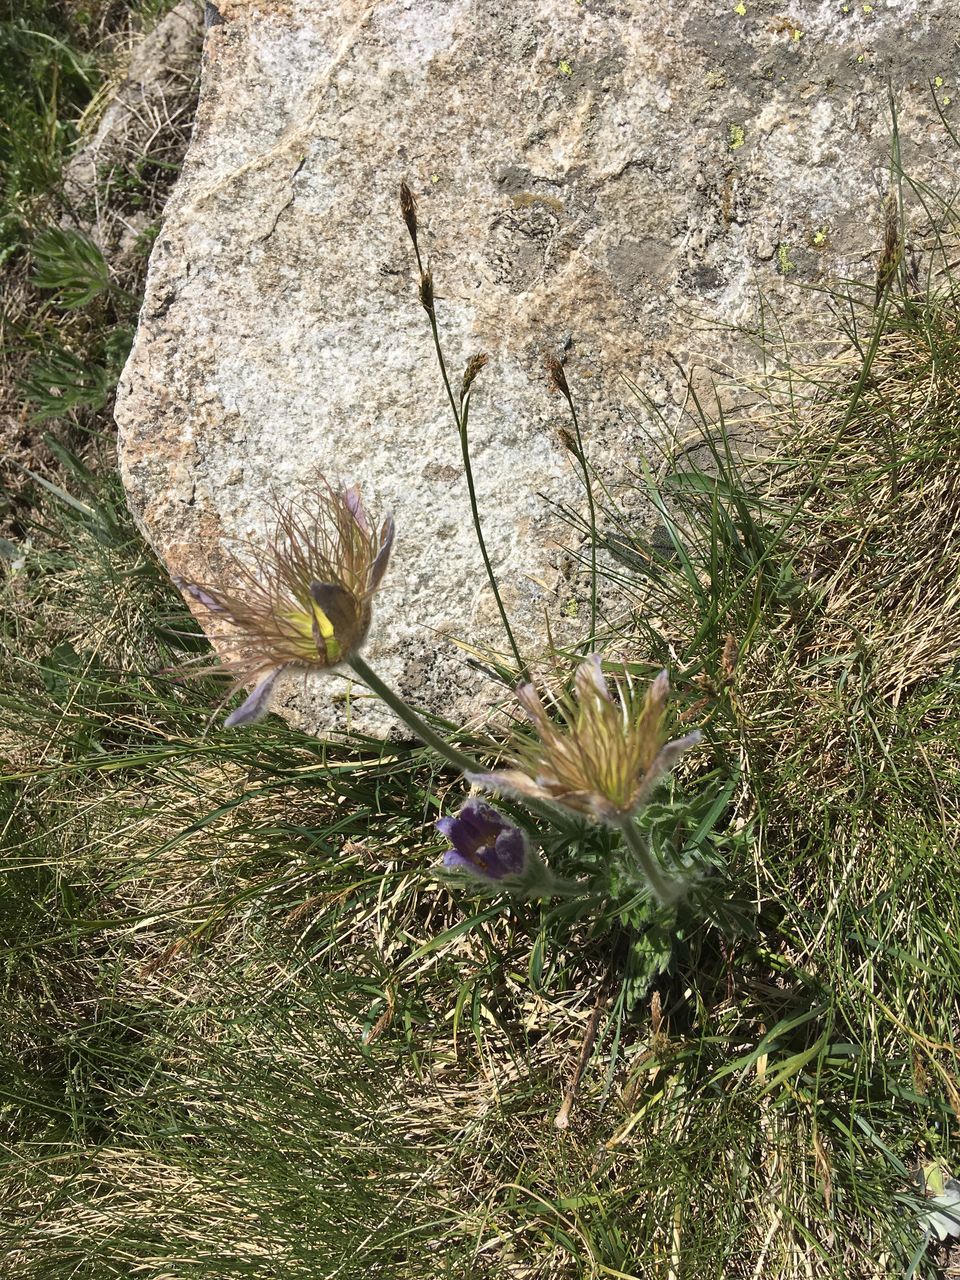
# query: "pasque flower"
{"type": "Point", "coordinates": [489, 848]}
{"type": "Point", "coordinates": [599, 755]}
{"type": "Point", "coordinates": [485, 843]}
{"type": "Point", "coordinates": [304, 600]}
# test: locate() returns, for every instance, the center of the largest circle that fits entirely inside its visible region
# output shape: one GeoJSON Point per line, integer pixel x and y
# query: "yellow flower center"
{"type": "Point", "coordinates": [307, 624]}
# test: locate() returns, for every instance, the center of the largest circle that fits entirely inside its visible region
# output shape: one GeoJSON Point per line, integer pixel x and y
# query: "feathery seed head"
{"type": "Point", "coordinates": [600, 756]}
{"type": "Point", "coordinates": [308, 601]}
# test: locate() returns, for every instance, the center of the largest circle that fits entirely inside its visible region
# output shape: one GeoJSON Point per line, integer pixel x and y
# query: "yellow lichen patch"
{"type": "Point", "coordinates": [740, 9]}
{"type": "Point", "coordinates": [737, 137]}
{"type": "Point", "coordinates": [783, 259]}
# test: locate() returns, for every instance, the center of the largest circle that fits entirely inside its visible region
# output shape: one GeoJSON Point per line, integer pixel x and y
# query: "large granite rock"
{"type": "Point", "coordinates": [595, 178]}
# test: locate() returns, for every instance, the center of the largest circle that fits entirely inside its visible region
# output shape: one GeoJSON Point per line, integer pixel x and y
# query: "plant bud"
{"type": "Point", "coordinates": [426, 293]}
{"type": "Point", "coordinates": [408, 207]}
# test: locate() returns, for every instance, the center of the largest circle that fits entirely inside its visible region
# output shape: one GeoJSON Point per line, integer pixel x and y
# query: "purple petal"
{"type": "Point", "coordinates": [589, 678]}
{"type": "Point", "coordinates": [446, 827]}
{"type": "Point", "coordinates": [379, 566]}
{"type": "Point", "coordinates": [479, 822]}
{"type": "Point", "coordinates": [487, 866]}
{"type": "Point", "coordinates": [351, 500]}
{"type": "Point", "coordinates": [672, 751]}
{"type": "Point", "coordinates": [476, 825]}
{"type": "Point", "coordinates": [197, 592]}
{"type": "Point", "coordinates": [485, 843]}
{"type": "Point", "coordinates": [454, 861]}
{"type": "Point", "coordinates": [511, 851]}
{"type": "Point", "coordinates": [256, 706]}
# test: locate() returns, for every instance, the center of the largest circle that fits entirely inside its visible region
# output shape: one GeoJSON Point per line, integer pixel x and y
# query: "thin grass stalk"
{"type": "Point", "coordinates": [564, 389]}
{"type": "Point", "coordinates": [461, 415]}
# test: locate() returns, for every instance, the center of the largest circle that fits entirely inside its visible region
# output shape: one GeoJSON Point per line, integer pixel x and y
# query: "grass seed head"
{"type": "Point", "coordinates": [557, 376]}
{"type": "Point", "coordinates": [426, 292]}
{"type": "Point", "coordinates": [408, 207]}
{"type": "Point", "coordinates": [474, 365]}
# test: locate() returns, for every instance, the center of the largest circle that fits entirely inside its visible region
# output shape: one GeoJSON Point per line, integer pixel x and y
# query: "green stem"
{"type": "Point", "coordinates": [460, 413]}
{"type": "Point", "coordinates": [664, 890]}
{"type": "Point", "coordinates": [591, 507]}
{"type": "Point", "coordinates": [406, 714]}
{"type": "Point", "coordinates": [475, 511]}
{"type": "Point", "coordinates": [459, 759]}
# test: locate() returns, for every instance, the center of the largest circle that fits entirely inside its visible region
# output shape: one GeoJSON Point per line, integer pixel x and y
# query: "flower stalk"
{"type": "Point", "coordinates": [460, 410]}
{"type": "Point", "coordinates": [406, 715]}
{"type": "Point", "coordinates": [665, 891]}
{"type": "Point", "coordinates": [464, 763]}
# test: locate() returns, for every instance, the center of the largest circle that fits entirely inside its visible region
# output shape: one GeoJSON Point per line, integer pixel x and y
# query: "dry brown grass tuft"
{"type": "Point", "coordinates": [882, 484]}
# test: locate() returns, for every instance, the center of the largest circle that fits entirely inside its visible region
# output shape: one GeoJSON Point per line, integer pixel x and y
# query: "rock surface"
{"type": "Point", "coordinates": [593, 178]}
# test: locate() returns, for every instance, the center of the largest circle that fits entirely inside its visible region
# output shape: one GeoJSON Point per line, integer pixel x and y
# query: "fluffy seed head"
{"type": "Point", "coordinates": [598, 755]}
{"type": "Point", "coordinates": [303, 600]}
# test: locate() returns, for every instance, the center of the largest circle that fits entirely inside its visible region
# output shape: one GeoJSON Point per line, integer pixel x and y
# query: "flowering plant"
{"type": "Point", "coordinates": [307, 603]}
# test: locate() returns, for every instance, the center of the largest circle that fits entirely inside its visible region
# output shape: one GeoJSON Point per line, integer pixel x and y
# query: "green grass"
{"type": "Point", "coordinates": [249, 1034]}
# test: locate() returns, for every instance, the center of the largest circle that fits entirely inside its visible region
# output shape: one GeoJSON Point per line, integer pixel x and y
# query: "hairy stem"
{"type": "Point", "coordinates": [459, 759]}
{"type": "Point", "coordinates": [664, 890]}
{"type": "Point", "coordinates": [406, 714]}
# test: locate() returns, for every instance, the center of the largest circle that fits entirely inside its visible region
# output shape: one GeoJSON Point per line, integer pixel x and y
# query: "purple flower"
{"type": "Point", "coordinates": [485, 843]}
